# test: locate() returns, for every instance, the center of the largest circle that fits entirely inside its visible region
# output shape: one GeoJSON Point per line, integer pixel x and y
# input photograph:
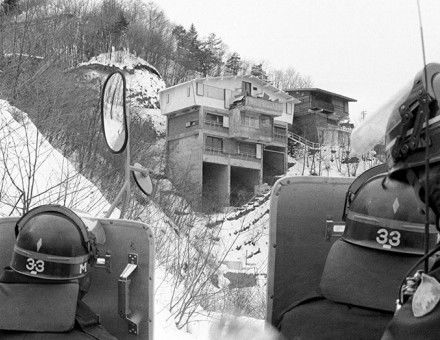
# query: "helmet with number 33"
{"type": "Point", "coordinates": [52, 243]}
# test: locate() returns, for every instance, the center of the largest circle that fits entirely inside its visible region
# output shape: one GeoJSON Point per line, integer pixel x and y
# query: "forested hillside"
{"type": "Point", "coordinates": [65, 33]}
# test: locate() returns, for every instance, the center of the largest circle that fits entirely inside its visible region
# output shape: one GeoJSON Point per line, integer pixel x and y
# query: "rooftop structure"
{"type": "Point", "coordinates": [322, 116]}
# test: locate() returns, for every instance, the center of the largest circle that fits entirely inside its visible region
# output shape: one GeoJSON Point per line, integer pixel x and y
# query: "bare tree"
{"type": "Point", "coordinates": [289, 79]}
{"type": "Point", "coordinates": [34, 173]}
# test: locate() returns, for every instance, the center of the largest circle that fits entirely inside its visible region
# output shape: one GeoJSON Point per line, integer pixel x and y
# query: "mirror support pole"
{"type": "Point", "coordinates": [127, 167]}
{"type": "Point", "coordinates": [115, 202]}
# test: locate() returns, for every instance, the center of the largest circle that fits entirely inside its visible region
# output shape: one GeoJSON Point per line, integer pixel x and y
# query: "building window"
{"type": "Point", "coordinates": [214, 144]}
{"type": "Point", "coordinates": [168, 98]}
{"type": "Point", "coordinates": [199, 90]}
{"type": "Point", "coordinates": [251, 121]}
{"type": "Point", "coordinates": [215, 119]}
{"type": "Point", "coordinates": [265, 121]}
{"type": "Point", "coordinates": [247, 149]}
{"type": "Point", "coordinates": [280, 131]}
{"type": "Point", "coordinates": [188, 91]}
{"type": "Point", "coordinates": [246, 88]}
{"type": "Point", "coordinates": [289, 108]}
{"type": "Point", "coordinates": [192, 123]}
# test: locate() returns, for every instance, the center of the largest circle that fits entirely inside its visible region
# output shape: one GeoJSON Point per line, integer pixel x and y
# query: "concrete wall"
{"type": "Point", "coordinates": [305, 126]}
{"type": "Point", "coordinates": [177, 123]}
{"type": "Point", "coordinates": [177, 98]}
{"type": "Point", "coordinates": [185, 165]}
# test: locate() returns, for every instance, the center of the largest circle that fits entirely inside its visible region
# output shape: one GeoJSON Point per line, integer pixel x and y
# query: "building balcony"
{"type": "Point", "coordinates": [215, 126]}
{"type": "Point", "coordinates": [214, 151]}
{"type": "Point", "coordinates": [209, 150]}
{"type": "Point", "coordinates": [320, 105]}
{"type": "Point", "coordinates": [264, 106]}
{"type": "Point", "coordinates": [245, 156]}
{"type": "Point", "coordinates": [243, 132]}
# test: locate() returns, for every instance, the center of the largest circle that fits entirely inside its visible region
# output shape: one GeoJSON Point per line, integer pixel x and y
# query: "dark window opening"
{"type": "Point", "coordinates": [247, 88]}
{"type": "Point", "coordinates": [214, 118]}
{"type": "Point", "coordinates": [214, 143]}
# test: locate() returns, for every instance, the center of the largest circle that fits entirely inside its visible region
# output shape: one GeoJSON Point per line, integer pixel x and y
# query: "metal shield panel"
{"type": "Point", "coordinates": [299, 209]}
{"type": "Point", "coordinates": [122, 237]}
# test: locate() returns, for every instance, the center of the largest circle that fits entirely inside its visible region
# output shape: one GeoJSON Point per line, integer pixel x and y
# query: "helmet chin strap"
{"type": "Point", "coordinates": [415, 182]}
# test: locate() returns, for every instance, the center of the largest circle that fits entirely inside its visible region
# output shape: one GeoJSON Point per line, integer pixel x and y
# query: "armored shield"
{"type": "Point", "coordinates": [301, 210]}
{"type": "Point", "coordinates": [121, 291]}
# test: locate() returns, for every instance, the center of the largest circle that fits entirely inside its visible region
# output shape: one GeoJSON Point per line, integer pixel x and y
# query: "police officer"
{"type": "Point", "coordinates": [413, 156]}
{"type": "Point", "coordinates": [48, 276]}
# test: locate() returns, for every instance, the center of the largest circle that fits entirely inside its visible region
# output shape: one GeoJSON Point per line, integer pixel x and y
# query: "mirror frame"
{"type": "Point", "coordinates": [135, 174]}
{"type": "Point", "coordinates": [124, 92]}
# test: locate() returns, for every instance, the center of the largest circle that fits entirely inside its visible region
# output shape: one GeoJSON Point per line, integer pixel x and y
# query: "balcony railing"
{"type": "Point", "coordinates": [280, 137]}
{"type": "Point", "coordinates": [340, 109]}
{"type": "Point", "coordinates": [239, 155]}
{"type": "Point", "coordinates": [322, 105]}
{"type": "Point", "coordinates": [245, 156]}
{"type": "Point", "coordinates": [264, 105]}
{"type": "Point", "coordinates": [214, 151]}
{"type": "Point", "coordinates": [214, 125]}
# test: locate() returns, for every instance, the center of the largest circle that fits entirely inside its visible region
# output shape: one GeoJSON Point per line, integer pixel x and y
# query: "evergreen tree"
{"type": "Point", "coordinates": [257, 71]}
{"type": "Point", "coordinates": [211, 53]}
{"type": "Point", "coordinates": [233, 64]}
{"type": "Point", "coordinates": [194, 44]}
{"type": "Point", "coordinates": [10, 7]}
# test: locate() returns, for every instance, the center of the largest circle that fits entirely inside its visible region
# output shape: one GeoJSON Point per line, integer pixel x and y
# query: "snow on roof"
{"type": "Point", "coordinates": [251, 78]}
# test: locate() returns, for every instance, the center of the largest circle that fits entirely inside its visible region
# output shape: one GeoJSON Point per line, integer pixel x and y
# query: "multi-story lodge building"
{"type": "Point", "coordinates": [322, 116]}
{"type": "Point", "coordinates": [225, 136]}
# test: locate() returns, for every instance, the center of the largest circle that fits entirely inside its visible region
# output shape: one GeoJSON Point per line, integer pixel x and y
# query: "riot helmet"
{"type": "Point", "coordinates": [52, 243]}
{"type": "Point", "coordinates": [407, 138]}
{"type": "Point", "coordinates": [383, 235]}
{"type": "Point", "coordinates": [385, 214]}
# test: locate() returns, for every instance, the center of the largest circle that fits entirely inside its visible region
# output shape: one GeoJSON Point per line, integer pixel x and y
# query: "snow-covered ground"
{"type": "Point", "coordinates": [30, 163]}
{"type": "Point", "coordinates": [32, 172]}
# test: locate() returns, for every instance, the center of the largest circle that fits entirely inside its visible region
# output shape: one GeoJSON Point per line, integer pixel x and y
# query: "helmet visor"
{"type": "Point", "coordinates": [372, 130]}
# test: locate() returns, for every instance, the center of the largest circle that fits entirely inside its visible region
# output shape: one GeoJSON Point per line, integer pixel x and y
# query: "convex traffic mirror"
{"type": "Point", "coordinates": [113, 112]}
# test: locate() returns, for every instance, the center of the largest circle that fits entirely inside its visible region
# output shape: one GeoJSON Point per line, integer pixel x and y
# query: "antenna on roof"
{"type": "Point", "coordinates": [426, 263]}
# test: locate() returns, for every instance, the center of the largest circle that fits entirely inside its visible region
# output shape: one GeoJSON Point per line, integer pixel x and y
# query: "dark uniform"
{"type": "Point", "coordinates": [41, 292]}
{"type": "Point", "coordinates": [410, 143]}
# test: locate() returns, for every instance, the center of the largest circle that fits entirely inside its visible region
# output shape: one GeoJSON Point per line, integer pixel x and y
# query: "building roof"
{"type": "Point", "coordinates": [315, 89]}
{"type": "Point", "coordinates": [252, 78]}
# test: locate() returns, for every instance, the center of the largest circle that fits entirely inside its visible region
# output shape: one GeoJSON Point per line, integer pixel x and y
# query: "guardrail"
{"type": "Point", "coordinates": [303, 141]}
{"type": "Point", "coordinates": [215, 151]}
{"type": "Point", "coordinates": [245, 156]}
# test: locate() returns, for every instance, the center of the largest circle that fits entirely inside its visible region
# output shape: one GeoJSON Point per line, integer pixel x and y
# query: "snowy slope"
{"type": "Point", "coordinates": [32, 172]}
{"type": "Point", "coordinates": [26, 157]}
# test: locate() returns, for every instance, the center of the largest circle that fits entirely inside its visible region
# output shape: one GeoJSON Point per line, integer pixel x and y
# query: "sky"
{"type": "Point", "coordinates": [363, 49]}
